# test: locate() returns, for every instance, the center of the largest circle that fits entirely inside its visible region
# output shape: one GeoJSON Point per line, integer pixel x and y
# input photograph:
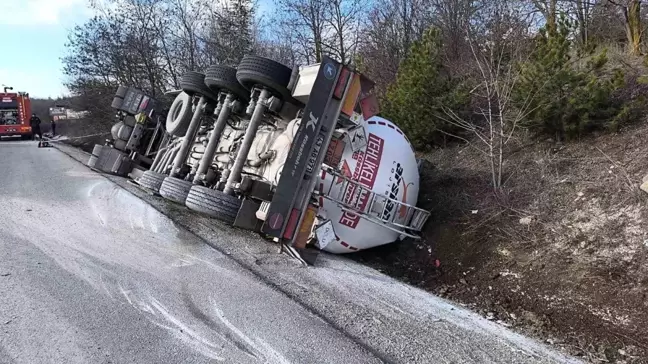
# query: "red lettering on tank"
{"type": "Point", "coordinates": [365, 174]}
{"type": "Point", "coordinates": [375, 146]}
{"type": "Point", "coordinates": [348, 219]}
{"type": "Point", "coordinates": [368, 173]}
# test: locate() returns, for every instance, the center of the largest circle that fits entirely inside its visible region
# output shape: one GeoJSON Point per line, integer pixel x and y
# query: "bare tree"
{"type": "Point", "coordinates": [277, 44]}
{"type": "Point", "coordinates": [343, 22]}
{"type": "Point", "coordinates": [583, 11]}
{"type": "Point", "coordinates": [631, 11]}
{"type": "Point", "coordinates": [496, 116]}
{"type": "Point", "coordinates": [187, 23]}
{"type": "Point", "coordinates": [307, 21]}
{"type": "Point", "coordinates": [453, 18]}
{"type": "Point", "coordinates": [230, 33]}
{"type": "Point", "coordinates": [392, 27]}
{"type": "Point", "coordinates": [549, 10]}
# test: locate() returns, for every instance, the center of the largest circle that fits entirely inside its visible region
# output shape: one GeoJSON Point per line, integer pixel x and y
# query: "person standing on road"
{"type": "Point", "coordinates": [53, 127]}
{"type": "Point", "coordinates": [35, 122]}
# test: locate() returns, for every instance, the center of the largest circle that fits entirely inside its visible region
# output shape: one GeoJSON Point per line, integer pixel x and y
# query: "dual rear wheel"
{"type": "Point", "coordinates": [252, 72]}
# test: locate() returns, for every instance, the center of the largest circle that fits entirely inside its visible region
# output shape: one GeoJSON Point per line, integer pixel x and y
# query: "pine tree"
{"type": "Point", "coordinates": [422, 90]}
{"type": "Point", "coordinates": [233, 31]}
{"type": "Point", "coordinates": [567, 90]}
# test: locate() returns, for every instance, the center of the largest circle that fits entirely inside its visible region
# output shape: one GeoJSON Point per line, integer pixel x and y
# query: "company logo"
{"type": "Point", "coordinates": [312, 121]}
{"type": "Point", "coordinates": [329, 71]}
{"type": "Point", "coordinates": [393, 192]}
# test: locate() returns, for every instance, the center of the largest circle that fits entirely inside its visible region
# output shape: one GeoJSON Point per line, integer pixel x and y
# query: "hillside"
{"type": "Point", "coordinates": [561, 254]}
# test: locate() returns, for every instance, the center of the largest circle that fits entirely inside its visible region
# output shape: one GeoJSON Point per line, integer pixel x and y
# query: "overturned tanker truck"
{"type": "Point", "coordinates": [298, 155]}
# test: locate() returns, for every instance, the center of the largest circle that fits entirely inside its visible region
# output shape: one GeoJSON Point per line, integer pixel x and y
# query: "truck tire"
{"type": "Point", "coordinates": [152, 180]}
{"type": "Point", "coordinates": [125, 132]}
{"type": "Point", "coordinates": [213, 203]}
{"type": "Point", "coordinates": [120, 144]}
{"type": "Point", "coordinates": [94, 157]}
{"type": "Point", "coordinates": [193, 83]}
{"type": "Point", "coordinates": [114, 130]}
{"type": "Point", "coordinates": [175, 189]}
{"type": "Point", "coordinates": [223, 79]}
{"type": "Point", "coordinates": [179, 115]}
{"type": "Point", "coordinates": [258, 71]}
{"type": "Point", "coordinates": [117, 102]}
{"type": "Point", "coordinates": [121, 91]}
{"type": "Point", "coordinates": [130, 121]}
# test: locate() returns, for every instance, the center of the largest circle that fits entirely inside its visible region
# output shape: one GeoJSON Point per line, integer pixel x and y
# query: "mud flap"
{"type": "Point", "coordinates": [306, 254]}
{"type": "Point", "coordinates": [246, 217]}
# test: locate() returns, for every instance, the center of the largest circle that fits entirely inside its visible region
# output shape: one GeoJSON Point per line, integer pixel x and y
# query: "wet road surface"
{"type": "Point", "coordinates": [90, 273]}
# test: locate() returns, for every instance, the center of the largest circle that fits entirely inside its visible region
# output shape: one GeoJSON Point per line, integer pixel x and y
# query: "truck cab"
{"type": "Point", "coordinates": [15, 112]}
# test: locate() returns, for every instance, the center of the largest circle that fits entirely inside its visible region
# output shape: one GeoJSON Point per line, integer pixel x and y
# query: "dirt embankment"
{"type": "Point", "coordinates": [561, 254]}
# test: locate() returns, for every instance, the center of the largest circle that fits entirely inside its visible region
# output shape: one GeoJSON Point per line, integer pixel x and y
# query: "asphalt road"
{"type": "Point", "coordinates": [91, 273]}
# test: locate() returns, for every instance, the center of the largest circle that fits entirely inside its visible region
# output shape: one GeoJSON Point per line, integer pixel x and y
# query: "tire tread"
{"type": "Point", "coordinates": [151, 180]}
{"type": "Point", "coordinates": [213, 203]}
{"type": "Point", "coordinates": [175, 189]}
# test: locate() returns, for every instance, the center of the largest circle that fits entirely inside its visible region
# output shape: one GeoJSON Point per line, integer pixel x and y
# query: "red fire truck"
{"type": "Point", "coordinates": [15, 112]}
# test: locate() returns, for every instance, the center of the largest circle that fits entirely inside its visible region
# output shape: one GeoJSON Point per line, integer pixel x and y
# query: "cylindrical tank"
{"type": "Point", "coordinates": [386, 165]}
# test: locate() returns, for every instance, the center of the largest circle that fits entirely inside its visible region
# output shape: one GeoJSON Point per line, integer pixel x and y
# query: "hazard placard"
{"type": "Point", "coordinates": [357, 139]}
{"type": "Point", "coordinates": [325, 234]}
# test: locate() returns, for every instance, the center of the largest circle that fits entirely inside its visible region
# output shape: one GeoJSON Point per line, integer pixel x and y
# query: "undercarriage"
{"type": "Point", "coordinates": [297, 155]}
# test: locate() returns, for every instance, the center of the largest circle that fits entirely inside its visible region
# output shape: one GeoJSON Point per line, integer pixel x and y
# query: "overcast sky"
{"type": "Point", "coordinates": [34, 33]}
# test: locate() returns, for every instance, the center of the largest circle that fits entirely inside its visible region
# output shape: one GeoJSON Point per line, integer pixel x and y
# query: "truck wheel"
{"type": "Point", "coordinates": [94, 157]}
{"type": "Point", "coordinates": [213, 203]}
{"type": "Point", "coordinates": [179, 115]}
{"type": "Point", "coordinates": [194, 83]}
{"type": "Point", "coordinates": [117, 102]}
{"type": "Point", "coordinates": [121, 91]}
{"type": "Point", "coordinates": [152, 180]}
{"type": "Point", "coordinates": [223, 78]}
{"type": "Point", "coordinates": [130, 121]}
{"type": "Point", "coordinates": [120, 144]}
{"type": "Point", "coordinates": [258, 71]}
{"type": "Point", "coordinates": [124, 132]}
{"type": "Point", "coordinates": [175, 189]}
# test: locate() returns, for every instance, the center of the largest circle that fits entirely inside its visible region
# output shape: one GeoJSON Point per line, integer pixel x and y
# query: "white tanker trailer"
{"type": "Point", "coordinates": [297, 155]}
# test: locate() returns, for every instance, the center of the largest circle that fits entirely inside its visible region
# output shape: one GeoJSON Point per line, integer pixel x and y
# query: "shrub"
{"type": "Point", "coordinates": [567, 93]}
